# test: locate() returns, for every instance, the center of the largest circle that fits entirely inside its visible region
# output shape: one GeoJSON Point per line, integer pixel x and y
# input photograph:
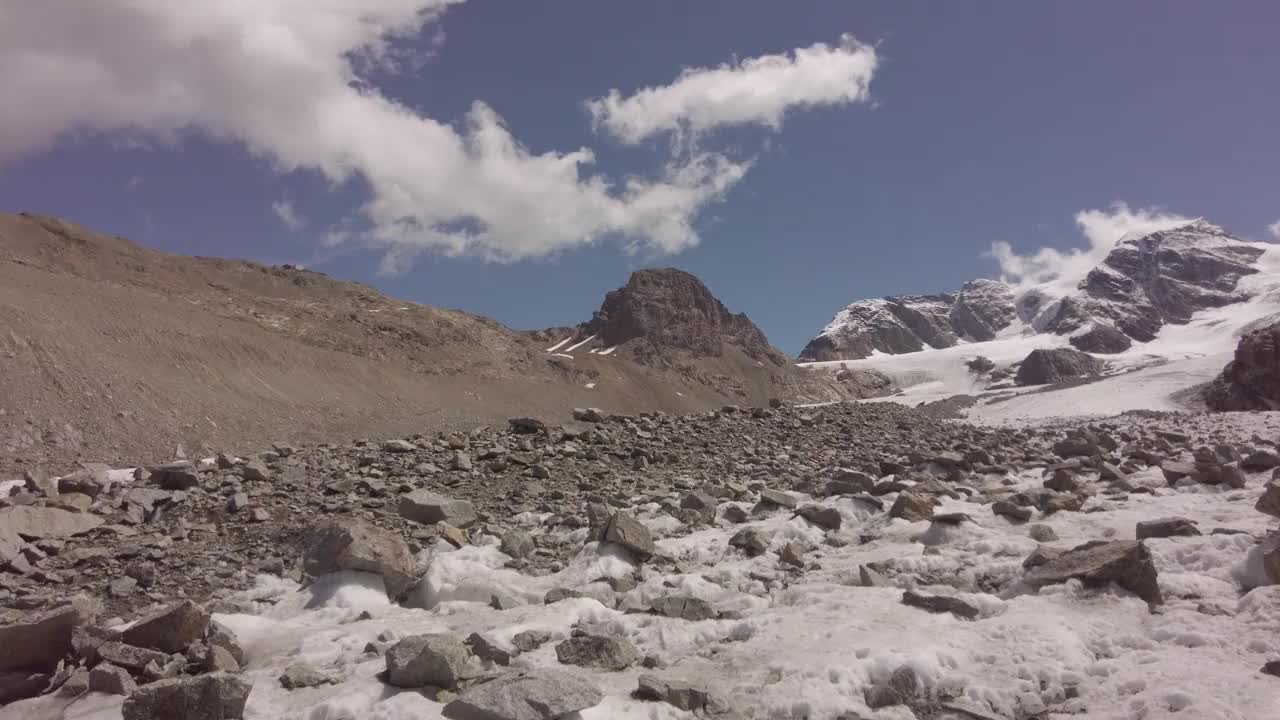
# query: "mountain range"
{"type": "Point", "coordinates": [1143, 284]}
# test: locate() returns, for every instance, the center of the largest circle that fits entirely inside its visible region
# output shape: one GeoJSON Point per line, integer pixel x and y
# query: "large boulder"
{"type": "Point", "coordinates": [526, 695]}
{"type": "Point", "coordinates": [420, 660]}
{"type": "Point", "coordinates": [37, 523]}
{"type": "Point", "coordinates": [1101, 339]}
{"type": "Point", "coordinates": [1045, 366]}
{"type": "Point", "coordinates": [170, 629]}
{"type": "Point", "coordinates": [428, 508]}
{"type": "Point", "coordinates": [1127, 563]}
{"type": "Point", "coordinates": [38, 640]}
{"type": "Point", "coordinates": [628, 532]}
{"type": "Point", "coordinates": [357, 545]}
{"type": "Point", "coordinates": [215, 696]}
{"type": "Point", "coordinates": [1251, 381]}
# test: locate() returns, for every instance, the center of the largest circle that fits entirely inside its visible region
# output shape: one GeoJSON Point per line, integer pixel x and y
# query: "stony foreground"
{"type": "Point", "coordinates": [838, 562]}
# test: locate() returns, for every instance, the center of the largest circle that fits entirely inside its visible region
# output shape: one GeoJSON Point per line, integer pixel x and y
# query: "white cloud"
{"type": "Point", "coordinates": [1274, 229]}
{"type": "Point", "coordinates": [1102, 230]}
{"type": "Point", "coordinates": [756, 91]}
{"type": "Point", "coordinates": [288, 215]}
{"type": "Point", "coordinates": [283, 77]}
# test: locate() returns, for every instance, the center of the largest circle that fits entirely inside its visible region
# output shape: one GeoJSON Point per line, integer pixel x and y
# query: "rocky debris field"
{"type": "Point", "coordinates": [846, 561]}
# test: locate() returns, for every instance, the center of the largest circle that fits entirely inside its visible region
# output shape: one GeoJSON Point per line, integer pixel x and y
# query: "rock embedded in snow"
{"type": "Point", "coordinates": [517, 543]}
{"type": "Point", "coordinates": [1127, 563]}
{"type": "Point", "coordinates": [429, 508]}
{"type": "Point", "coordinates": [170, 629]}
{"type": "Point", "coordinates": [1269, 501]}
{"type": "Point", "coordinates": [824, 517]}
{"type": "Point", "coordinates": [684, 607]}
{"type": "Point", "coordinates": [215, 696]}
{"type": "Point", "coordinates": [1046, 366]}
{"type": "Point", "coordinates": [1042, 533]}
{"type": "Point", "coordinates": [1102, 339]}
{"type": "Point", "coordinates": [1014, 512]}
{"type": "Point", "coordinates": [304, 675]}
{"type": "Point", "coordinates": [526, 695]}
{"type": "Point", "coordinates": [751, 540]}
{"type": "Point", "coordinates": [435, 659]}
{"type": "Point", "coordinates": [530, 640]}
{"type": "Point", "coordinates": [674, 691]}
{"type": "Point", "coordinates": [628, 532]}
{"type": "Point", "coordinates": [940, 604]}
{"type": "Point", "coordinates": [1167, 527]}
{"type": "Point", "coordinates": [912, 507]}
{"type": "Point", "coordinates": [774, 500]}
{"type": "Point", "coordinates": [900, 689]}
{"type": "Point", "coordinates": [356, 545]}
{"type": "Point", "coordinates": [600, 652]}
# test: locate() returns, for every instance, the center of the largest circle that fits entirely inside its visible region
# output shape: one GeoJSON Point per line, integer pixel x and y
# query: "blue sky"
{"type": "Point", "coordinates": [979, 122]}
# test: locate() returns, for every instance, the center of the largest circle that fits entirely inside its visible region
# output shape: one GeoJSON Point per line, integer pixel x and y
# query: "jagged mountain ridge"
{"type": "Point", "coordinates": [1143, 284]}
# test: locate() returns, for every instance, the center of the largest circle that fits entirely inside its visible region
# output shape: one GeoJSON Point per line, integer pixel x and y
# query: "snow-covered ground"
{"type": "Point", "coordinates": [1147, 376]}
{"type": "Point", "coordinates": [809, 645]}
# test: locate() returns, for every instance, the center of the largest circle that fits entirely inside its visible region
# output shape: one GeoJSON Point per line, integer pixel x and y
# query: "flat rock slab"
{"type": "Point", "coordinates": [530, 695]}
{"type": "Point", "coordinates": [428, 508]}
{"type": "Point", "coordinates": [38, 523]}
{"type": "Point", "coordinates": [1127, 563]}
{"type": "Point", "coordinates": [170, 629]}
{"type": "Point", "coordinates": [216, 696]}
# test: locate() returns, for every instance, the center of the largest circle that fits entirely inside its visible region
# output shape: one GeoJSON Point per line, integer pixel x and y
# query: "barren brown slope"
{"type": "Point", "coordinates": [112, 352]}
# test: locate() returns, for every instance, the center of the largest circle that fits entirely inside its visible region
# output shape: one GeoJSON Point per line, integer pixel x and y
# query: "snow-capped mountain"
{"type": "Point", "coordinates": [1143, 284]}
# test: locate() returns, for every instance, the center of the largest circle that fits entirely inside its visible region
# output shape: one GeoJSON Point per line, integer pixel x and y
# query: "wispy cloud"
{"type": "Point", "coordinates": [288, 215]}
{"type": "Point", "coordinates": [755, 91]}
{"type": "Point", "coordinates": [1102, 229]}
{"type": "Point", "coordinates": [1274, 229]}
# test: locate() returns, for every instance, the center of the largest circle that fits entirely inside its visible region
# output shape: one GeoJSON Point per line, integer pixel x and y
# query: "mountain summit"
{"type": "Point", "coordinates": [1143, 284]}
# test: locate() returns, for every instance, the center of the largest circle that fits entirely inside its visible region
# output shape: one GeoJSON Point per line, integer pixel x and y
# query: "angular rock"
{"type": "Point", "coordinates": [517, 543]}
{"type": "Point", "coordinates": [912, 507]}
{"type": "Point", "coordinates": [601, 652]}
{"type": "Point", "coordinates": [174, 476]}
{"type": "Point", "coordinates": [752, 540]}
{"type": "Point", "coordinates": [215, 696]}
{"type": "Point", "coordinates": [1167, 527]}
{"type": "Point", "coordinates": [38, 640]}
{"type": "Point", "coordinates": [398, 446]}
{"type": "Point", "coordinates": [170, 629]}
{"type": "Point", "coordinates": [1042, 533]}
{"type": "Point", "coordinates": [628, 532]}
{"type": "Point", "coordinates": [824, 517]}
{"type": "Point", "coordinates": [421, 660]}
{"type": "Point", "coordinates": [359, 546]}
{"type": "Point", "coordinates": [1127, 563]}
{"type": "Point", "coordinates": [305, 675]}
{"type": "Point", "coordinates": [673, 691]}
{"type": "Point", "coordinates": [35, 523]}
{"type": "Point", "coordinates": [1269, 501]}
{"type": "Point", "coordinates": [112, 680]}
{"type": "Point", "coordinates": [773, 499]}
{"type": "Point", "coordinates": [684, 607]}
{"type": "Point", "coordinates": [130, 656]}
{"type": "Point", "coordinates": [940, 604]}
{"type": "Point", "coordinates": [1045, 366]}
{"type": "Point", "coordinates": [1016, 513]}
{"type": "Point", "coordinates": [428, 508]}
{"type": "Point", "coordinates": [526, 695]}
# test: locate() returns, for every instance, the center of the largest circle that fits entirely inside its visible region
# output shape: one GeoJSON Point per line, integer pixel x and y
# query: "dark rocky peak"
{"type": "Point", "coordinates": [667, 309]}
{"type": "Point", "coordinates": [982, 308]}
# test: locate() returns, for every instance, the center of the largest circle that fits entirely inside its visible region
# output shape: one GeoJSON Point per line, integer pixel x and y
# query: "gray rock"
{"type": "Point", "coordinates": [1269, 501]}
{"type": "Point", "coordinates": [684, 607]}
{"type": "Point", "coordinates": [868, 577]}
{"type": "Point", "coordinates": [36, 523]}
{"type": "Point", "coordinates": [628, 532]}
{"type": "Point", "coordinates": [305, 675]}
{"type": "Point", "coordinates": [702, 503]}
{"type": "Point", "coordinates": [215, 696]}
{"type": "Point", "coordinates": [356, 545]}
{"type": "Point", "coordinates": [824, 517]}
{"type": "Point", "coordinates": [900, 689]}
{"type": "Point", "coordinates": [601, 652]}
{"type": "Point", "coordinates": [591, 415]}
{"type": "Point", "coordinates": [1045, 366]}
{"type": "Point", "coordinates": [1014, 512]}
{"type": "Point", "coordinates": [170, 629]}
{"type": "Point", "coordinates": [38, 640]}
{"type": "Point", "coordinates": [752, 540]}
{"type": "Point", "coordinates": [774, 499]}
{"type": "Point", "coordinates": [1042, 533]}
{"type": "Point", "coordinates": [174, 476]}
{"type": "Point", "coordinates": [527, 425]}
{"type": "Point", "coordinates": [673, 691]}
{"type": "Point", "coordinates": [428, 508]}
{"type": "Point", "coordinates": [912, 507]}
{"type": "Point", "coordinates": [487, 650]}
{"type": "Point", "coordinates": [526, 695]}
{"type": "Point", "coordinates": [1102, 339]}
{"type": "Point", "coordinates": [1167, 527]}
{"type": "Point", "coordinates": [530, 640]}
{"type": "Point", "coordinates": [256, 471]}
{"type": "Point", "coordinates": [219, 635]}
{"type": "Point", "coordinates": [940, 604]}
{"type": "Point", "coordinates": [24, 684]}
{"type": "Point", "coordinates": [130, 656]}
{"type": "Point", "coordinates": [398, 446]}
{"type": "Point", "coordinates": [517, 543]}
{"type": "Point", "coordinates": [421, 660]}
{"type": "Point", "coordinates": [792, 554]}
{"type": "Point", "coordinates": [112, 680]}
{"type": "Point", "coordinates": [555, 595]}
{"type": "Point", "coordinates": [1127, 563]}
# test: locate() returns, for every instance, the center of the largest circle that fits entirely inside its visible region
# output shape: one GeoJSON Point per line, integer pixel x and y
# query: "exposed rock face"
{"type": "Point", "coordinates": [982, 308]}
{"type": "Point", "coordinates": [1050, 366]}
{"type": "Point", "coordinates": [1160, 278]}
{"type": "Point", "coordinates": [669, 308]}
{"type": "Point", "coordinates": [1103, 339]}
{"type": "Point", "coordinates": [1251, 381]}
{"type": "Point", "coordinates": [1143, 284]}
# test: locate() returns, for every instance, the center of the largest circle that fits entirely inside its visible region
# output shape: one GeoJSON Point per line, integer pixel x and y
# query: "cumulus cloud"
{"type": "Point", "coordinates": [288, 215]}
{"type": "Point", "coordinates": [1102, 229]}
{"type": "Point", "coordinates": [755, 91]}
{"type": "Point", "coordinates": [287, 79]}
{"type": "Point", "coordinates": [1274, 229]}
